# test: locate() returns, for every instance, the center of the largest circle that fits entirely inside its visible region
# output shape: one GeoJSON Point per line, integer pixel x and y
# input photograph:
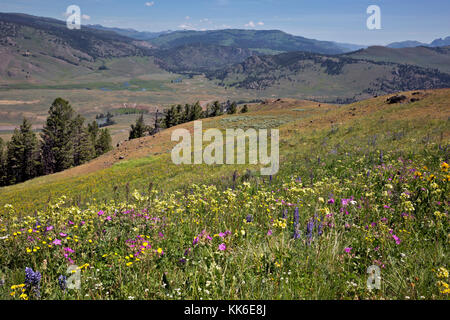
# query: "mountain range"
{"type": "Point", "coordinates": [328, 78]}
{"type": "Point", "coordinates": [42, 50]}
{"type": "Point", "coordinates": [441, 42]}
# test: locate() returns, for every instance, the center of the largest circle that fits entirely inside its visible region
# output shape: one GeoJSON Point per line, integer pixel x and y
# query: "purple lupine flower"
{"type": "Point", "coordinates": [33, 280]}
{"type": "Point", "coordinates": [249, 218]}
{"type": "Point", "coordinates": [296, 224]}
{"type": "Point", "coordinates": [320, 229]}
{"type": "Point", "coordinates": [285, 214]}
{"type": "Point", "coordinates": [62, 282]}
{"type": "Point", "coordinates": [309, 229]}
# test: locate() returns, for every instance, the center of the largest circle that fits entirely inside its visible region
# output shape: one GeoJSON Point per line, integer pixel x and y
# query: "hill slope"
{"type": "Point", "coordinates": [264, 40]}
{"type": "Point", "coordinates": [43, 49]}
{"type": "Point", "coordinates": [328, 78]}
{"type": "Point", "coordinates": [130, 33]}
{"type": "Point", "coordinates": [361, 187]}
{"type": "Point", "coordinates": [148, 159]}
{"type": "Point", "coordinates": [427, 57]}
{"type": "Point", "coordinates": [411, 43]}
{"type": "Point", "coordinates": [200, 57]}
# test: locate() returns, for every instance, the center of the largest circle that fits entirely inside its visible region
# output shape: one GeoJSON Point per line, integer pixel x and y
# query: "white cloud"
{"type": "Point", "coordinates": [186, 26]}
{"type": "Point", "coordinates": [252, 24]}
{"type": "Point", "coordinates": [85, 17]}
{"type": "Point", "coordinates": [150, 4]}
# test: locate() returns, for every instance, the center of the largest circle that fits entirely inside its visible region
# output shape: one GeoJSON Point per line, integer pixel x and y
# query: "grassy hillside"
{"type": "Point", "coordinates": [41, 50]}
{"type": "Point", "coordinates": [434, 58]}
{"type": "Point", "coordinates": [359, 185]}
{"type": "Point", "coordinates": [248, 39]}
{"type": "Point", "coordinates": [327, 78]}
{"type": "Point", "coordinates": [200, 57]}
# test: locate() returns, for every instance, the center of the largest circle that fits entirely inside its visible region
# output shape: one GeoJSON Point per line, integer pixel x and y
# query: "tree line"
{"type": "Point", "coordinates": [65, 142]}
{"type": "Point", "coordinates": [178, 114]}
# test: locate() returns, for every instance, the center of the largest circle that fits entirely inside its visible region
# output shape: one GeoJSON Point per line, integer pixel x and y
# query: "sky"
{"type": "Point", "coordinates": [333, 20]}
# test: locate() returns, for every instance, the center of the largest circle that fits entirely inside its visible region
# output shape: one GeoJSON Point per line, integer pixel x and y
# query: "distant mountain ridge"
{"type": "Point", "coordinates": [200, 58]}
{"type": "Point", "coordinates": [425, 57]}
{"type": "Point", "coordinates": [36, 49]}
{"type": "Point", "coordinates": [131, 33]}
{"type": "Point", "coordinates": [411, 43]}
{"type": "Point", "coordinates": [262, 40]}
{"type": "Point", "coordinates": [338, 79]}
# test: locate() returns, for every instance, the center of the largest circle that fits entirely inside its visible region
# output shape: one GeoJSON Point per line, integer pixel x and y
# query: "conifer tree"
{"type": "Point", "coordinates": [83, 149]}
{"type": "Point", "coordinates": [187, 112]}
{"type": "Point", "coordinates": [244, 109]}
{"type": "Point", "coordinates": [93, 130]}
{"type": "Point", "coordinates": [196, 112]}
{"type": "Point", "coordinates": [216, 109]}
{"type": "Point", "coordinates": [171, 117]}
{"type": "Point", "coordinates": [138, 130]}
{"type": "Point", "coordinates": [232, 108]}
{"type": "Point", "coordinates": [104, 142]}
{"type": "Point", "coordinates": [57, 140]}
{"type": "Point", "coordinates": [22, 159]}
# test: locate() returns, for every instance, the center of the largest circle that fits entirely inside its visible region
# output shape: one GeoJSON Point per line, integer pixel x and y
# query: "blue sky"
{"type": "Point", "coordinates": [334, 20]}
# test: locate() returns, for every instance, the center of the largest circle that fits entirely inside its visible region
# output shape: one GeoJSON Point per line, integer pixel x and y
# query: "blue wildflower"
{"type": "Point", "coordinates": [62, 282]}
{"type": "Point", "coordinates": [309, 229]}
{"type": "Point", "coordinates": [33, 280]}
{"type": "Point", "coordinates": [296, 224]}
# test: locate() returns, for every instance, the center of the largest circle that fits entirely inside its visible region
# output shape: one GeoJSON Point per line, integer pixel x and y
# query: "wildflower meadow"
{"type": "Point", "coordinates": [354, 213]}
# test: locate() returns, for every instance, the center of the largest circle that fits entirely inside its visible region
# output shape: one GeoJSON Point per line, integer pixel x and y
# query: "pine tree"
{"type": "Point", "coordinates": [187, 112]}
{"type": "Point", "coordinates": [93, 130]}
{"type": "Point", "coordinates": [104, 142]}
{"type": "Point", "coordinates": [196, 112]}
{"type": "Point", "coordinates": [138, 130]}
{"type": "Point", "coordinates": [216, 109]}
{"type": "Point", "coordinates": [244, 109]}
{"type": "Point", "coordinates": [82, 145]}
{"type": "Point", "coordinates": [22, 159]}
{"type": "Point", "coordinates": [232, 108]}
{"type": "Point", "coordinates": [57, 142]}
{"type": "Point", "coordinates": [171, 117]}
{"type": "Point", "coordinates": [156, 125]}
{"type": "Point", "coordinates": [207, 113]}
